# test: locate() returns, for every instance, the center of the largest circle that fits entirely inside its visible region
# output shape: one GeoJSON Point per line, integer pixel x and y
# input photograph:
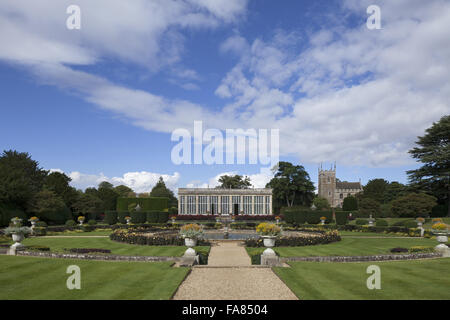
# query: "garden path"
{"type": "Point", "coordinates": [229, 275]}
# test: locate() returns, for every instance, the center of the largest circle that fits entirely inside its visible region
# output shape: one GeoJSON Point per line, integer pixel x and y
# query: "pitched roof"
{"type": "Point", "coordinates": [348, 185]}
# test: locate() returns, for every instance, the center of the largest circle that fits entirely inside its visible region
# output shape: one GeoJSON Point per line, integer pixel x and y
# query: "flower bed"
{"type": "Point", "coordinates": [87, 250]}
{"type": "Point", "coordinates": [298, 241]}
{"type": "Point", "coordinates": [151, 237]}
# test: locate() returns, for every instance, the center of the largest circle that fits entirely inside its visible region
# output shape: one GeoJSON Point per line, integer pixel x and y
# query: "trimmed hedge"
{"type": "Point", "coordinates": [138, 217]}
{"type": "Point", "coordinates": [410, 224]}
{"type": "Point", "coordinates": [300, 216]}
{"type": "Point", "coordinates": [146, 204]}
{"type": "Point", "coordinates": [111, 217]}
{"type": "Point", "coordinates": [8, 212]}
{"type": "Point", "coordinates": [341, 217]}
{"type": "Point", "coordinates": [121, 216]}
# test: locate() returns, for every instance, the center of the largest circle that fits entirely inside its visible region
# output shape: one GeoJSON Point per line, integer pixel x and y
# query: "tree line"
{"type": "Point", "coordinates": [28, 190]}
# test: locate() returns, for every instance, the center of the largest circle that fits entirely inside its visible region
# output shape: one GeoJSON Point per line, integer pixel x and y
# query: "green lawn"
{"type": "Point", "coordinates": [366, 234]}
{"type": "Point", "coordinates": [400, 280]}
{"type": "Point", "coordinates": [45, 279]}
{"type": "Point", "coordinates": [391, 221]}
{"type": "Point", "coordinates": [76, 234]}
{"type": "Point", "coordinates": [58, 244]}
{"type": "Point", "coordinates": [350, 247]}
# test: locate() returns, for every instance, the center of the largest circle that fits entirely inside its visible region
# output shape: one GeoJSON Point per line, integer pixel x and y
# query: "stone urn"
{"type": "Point", "coordinates": [190, 243]}
{"type": "Point", "coordinates": [322, 222]}
{"type": "Point", "coordinates": [269, 243]}
{"type": "Point", "coordinates": [128, 220]}
{"type": "Point", "coordinates": [278, 221]}
{"type": "Point", "coordinates": [17, 238]}
{"type": "Point", "coordinates": [419, 224]}
{"type": "Point", "coordinates": [371, 221]}
{"type": "Point", "coordinates": [173, 220]}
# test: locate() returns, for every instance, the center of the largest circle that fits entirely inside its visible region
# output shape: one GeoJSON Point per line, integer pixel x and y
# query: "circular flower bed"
{"type": "Point", "coordinates": [297, 239]}
{"type": "Point", "coordinates": [151, 237]}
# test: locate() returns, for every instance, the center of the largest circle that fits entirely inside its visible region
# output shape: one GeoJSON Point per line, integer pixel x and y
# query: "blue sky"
{"type": "Point", "coordinates": [100, 103]}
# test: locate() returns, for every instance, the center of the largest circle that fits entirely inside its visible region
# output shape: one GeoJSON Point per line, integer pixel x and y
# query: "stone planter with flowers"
{"type": "Point", "coordinates": [269, 232]}
{"type": "Point", "coordinates": [191, 233]}
{"type": "Point", "coordinates": [173, 218]}
{"type": "Point", "coordinates": [81, 220]}
{"type": "Point", "coordinates": [128, 219]}
{"type": "Point", "coordinates": [18, 232]}
{"type": "Point", "coordinates": [441, 231]}
{"type": "Point", "coordinates": [322, 220]}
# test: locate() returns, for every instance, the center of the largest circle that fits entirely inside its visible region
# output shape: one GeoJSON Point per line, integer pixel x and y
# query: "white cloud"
{"type": "Point", "coordinates": [142, 181]}
{"type": "Point", "coordinates": [258, 180]}
{"type": "Point", "coordinates": [358, 96]}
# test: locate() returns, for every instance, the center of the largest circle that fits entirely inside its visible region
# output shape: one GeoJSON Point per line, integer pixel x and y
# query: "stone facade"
{"type": "Point", "coordinates": [335, 191]}
{"type": "Point", "coordinates": [218, 201]}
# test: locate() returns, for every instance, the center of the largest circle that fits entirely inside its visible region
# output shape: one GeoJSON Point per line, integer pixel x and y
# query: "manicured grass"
{"type": "Point", "coordinates": [40, 278]}
{"type": "Point", "coordinates": [59, 244]}
{"type": "Point", "coordinates": [400, 280]}
{"type": "Point", "coordinates": [366, 234]}
{"type": "Point", "coordinates": [77, 234]}
{"type": "Point", "coordinates": [350, 247]}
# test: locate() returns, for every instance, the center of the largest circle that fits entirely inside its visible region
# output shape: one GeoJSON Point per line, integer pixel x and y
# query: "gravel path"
{"type": "Point", "coordinates": [232, 277]}
{"type": "Point", "coordinates": [228, 254]}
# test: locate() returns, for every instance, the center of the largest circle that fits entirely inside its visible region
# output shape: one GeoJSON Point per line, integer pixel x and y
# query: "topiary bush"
{"type": "Point", "coordinates": [152, 216]}
{"type": "Point", "coordinates": [70, 223]}
{"type": "Point", "coordinates": [381, 223]}
{"type": "Point", "coordinates": [410, 224]}
{"type": "Point", "coordinates": [121, 216]}
{"type": "Point", "coordinates": [361, 222]}
{"type": "Point", "coordinates": [111, 217]}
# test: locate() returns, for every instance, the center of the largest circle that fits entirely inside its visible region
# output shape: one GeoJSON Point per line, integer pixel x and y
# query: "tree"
{"type": "Point", "coordinates": [88, 203]}
{"type": "Point", "coordinates": [291, 185]}
{"type": "Point", "coordinates": [123, 191]}
{"type": "Point", "coordinates": [350, 204]}
{"type": "Point", "coordinates": [433, 151]}
{"type": "Point", "coordinates": [105, 185]}
{"type": "Point", "coordinates": [413, 205]}
{"type": "Point", "coordinates": [160, 190]}
{"type": "Point", "coordinates": [108, 196]}
{"type": "Point", "coordinates": [394, 190]}
{"type": "Point", "coordinates": [234, 182]}
{"type": "Point", "coordinates": [368, 206]}
{"type": "Point", "coordinates": [59, 183]}
{"type": "Point", "coordinates": [321, 203]}
{"type": "Point", "coordinates": [21, 179]}
{"type": "Point", "coordinates": [376, 189]}
{"type": "Point", "coordinates": [50, 207]}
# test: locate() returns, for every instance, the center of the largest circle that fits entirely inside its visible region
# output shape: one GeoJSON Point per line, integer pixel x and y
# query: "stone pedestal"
{"type": "Point", "coordinates": [270, 258]}
{"type": "Point", "coordinates": [422, 231]}
{"type": "Point", "coordinates": [189, 260]}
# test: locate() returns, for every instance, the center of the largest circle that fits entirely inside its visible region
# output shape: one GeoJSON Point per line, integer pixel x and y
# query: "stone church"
{"type": "Point", "coordinates": [335, 191]}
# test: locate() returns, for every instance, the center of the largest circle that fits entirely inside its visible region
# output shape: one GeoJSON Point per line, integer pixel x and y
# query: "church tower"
{"type": "Point", "coordinates": [327, 184]}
